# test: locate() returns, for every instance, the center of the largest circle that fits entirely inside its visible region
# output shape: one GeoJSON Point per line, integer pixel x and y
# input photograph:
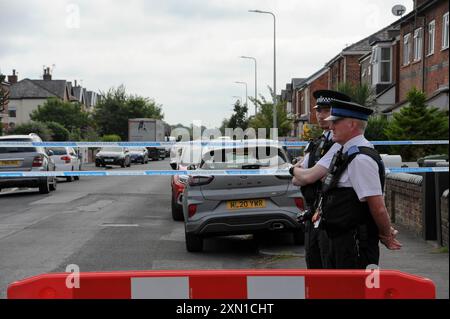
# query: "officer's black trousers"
{"type": "Point", "coordinates": [347, 252]}
{"type": "Point", "coordinates": [316, 247]}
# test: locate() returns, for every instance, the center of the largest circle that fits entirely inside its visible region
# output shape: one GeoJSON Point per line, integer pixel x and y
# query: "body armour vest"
{"type": "Point", "coordinates": [342, 210]}
{"type": "Point", "coordinates": [316, 149]}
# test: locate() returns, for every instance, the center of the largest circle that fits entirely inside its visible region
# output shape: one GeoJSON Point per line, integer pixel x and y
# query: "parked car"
{"type": "Point", "coordinates": [182, 156]}
{"type": "Point", "coordinates": [26, 159]}
{"type": "Point", "coordinates": [156, 154]}
{"type": "Point", "coordinates": [139, 155]}
{"type": "Point", "coordinates": [66, 159]}
{"type": "Point", "coordinates": [113, 156]}
{"type": "Point", "coordinates": [241, 204]}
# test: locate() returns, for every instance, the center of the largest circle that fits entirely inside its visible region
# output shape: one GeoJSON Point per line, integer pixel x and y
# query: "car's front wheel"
{"type": "Point", "coordinates": [194, 243]}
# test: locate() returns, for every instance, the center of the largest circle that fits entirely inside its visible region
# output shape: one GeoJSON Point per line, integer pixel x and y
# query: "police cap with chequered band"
{"type": "Point", "coordinates": [345, 109]}
{"type": "Point", "coordinates": [324, 97]}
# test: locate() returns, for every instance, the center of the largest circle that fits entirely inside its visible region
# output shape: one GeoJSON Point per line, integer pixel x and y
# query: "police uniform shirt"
{"type": "Point", "coordinates": [328, 155]}
{"type": "Point", "coordinates": [362, 172]}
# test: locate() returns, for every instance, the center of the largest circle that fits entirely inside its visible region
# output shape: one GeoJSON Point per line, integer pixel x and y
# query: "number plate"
{"type": "Point", "coordinates": [109, 160]}
{"type": "Point", "coordinates": [9, 163]}
{"type": "Point", "coordinates": [246, 203]}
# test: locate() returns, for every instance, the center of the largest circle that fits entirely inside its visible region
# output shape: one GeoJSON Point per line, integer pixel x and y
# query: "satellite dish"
{"type": "Point", "coordinates": [398, 10]}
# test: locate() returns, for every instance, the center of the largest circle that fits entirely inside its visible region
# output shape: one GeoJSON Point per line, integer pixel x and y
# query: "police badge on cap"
{"type": "Point", "coordinates": [324, 97]}
{"type": "Point", "coordinates": [345, 109]}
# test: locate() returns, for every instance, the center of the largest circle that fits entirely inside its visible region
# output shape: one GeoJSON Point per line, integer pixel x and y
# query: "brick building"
{"type": "Point", "coordinates": [424, 53]}
{"type": "Point", "coordinates": [345, 67]}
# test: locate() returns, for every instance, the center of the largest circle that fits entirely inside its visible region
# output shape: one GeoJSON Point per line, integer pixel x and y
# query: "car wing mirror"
{"type": "Point", "coordinates": [174, 166]}
{"type": "Point", "coordinates": [50, 153]}
{"type": "Point", "coordinates": [294, 161]}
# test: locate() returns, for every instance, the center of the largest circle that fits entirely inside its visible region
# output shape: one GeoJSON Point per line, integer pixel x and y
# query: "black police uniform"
{"type": "Point", "coordinates": [353, 234]}
{"type": "Point", "coordinates": [316, 239]}
{"type": "Point", "coordinates": [349, 224]}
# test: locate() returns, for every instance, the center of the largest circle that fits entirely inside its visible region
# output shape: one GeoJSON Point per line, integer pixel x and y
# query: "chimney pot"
{"type": "Point", "coordinates": [12, 78]}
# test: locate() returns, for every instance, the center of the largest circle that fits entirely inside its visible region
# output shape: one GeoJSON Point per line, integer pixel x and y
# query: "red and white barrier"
{"type": "Point", "coordinates": [227, 284]}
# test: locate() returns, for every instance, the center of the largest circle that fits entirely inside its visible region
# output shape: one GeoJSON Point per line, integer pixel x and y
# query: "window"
{"type": "Point", "coordinates": [431, 32]}
{"type": "Point", "coordinates": [445, 31]}
{"type": "Point", "coordinates": [406, 49]}
{"type": "Point", "coordinates": [381, 64]}
{"type": "Point", "coordinates": [418, 41]}
{"type": "Point", "coordinates": [12, 113]}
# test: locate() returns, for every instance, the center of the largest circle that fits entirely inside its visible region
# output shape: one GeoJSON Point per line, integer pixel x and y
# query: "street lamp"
{"type": "Point", "coordinates": [274, 66]}
{"type": "Point", "coordinates": [256, 80]}
{"type": "Point", "coordinates": [246, 95]}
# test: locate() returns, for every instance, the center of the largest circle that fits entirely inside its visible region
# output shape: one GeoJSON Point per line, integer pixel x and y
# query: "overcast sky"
{"type": "Point", "coordinates": [182, 53]}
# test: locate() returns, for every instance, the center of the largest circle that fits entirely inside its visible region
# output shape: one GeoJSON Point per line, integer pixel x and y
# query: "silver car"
{"type": "Point", "coordinates": [26, 159]}
{"type": "Point", "coordinates": [218, 205]}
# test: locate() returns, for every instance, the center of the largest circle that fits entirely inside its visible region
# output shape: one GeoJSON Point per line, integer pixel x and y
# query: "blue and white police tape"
{"type": "Point", "coordinates": [197, 143]}
{"type": "Point", "coordinates": [262, 172]}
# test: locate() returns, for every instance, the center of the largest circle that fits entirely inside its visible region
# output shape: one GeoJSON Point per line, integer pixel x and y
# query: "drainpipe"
{"type": "Point", "coordinates": [423, 53]}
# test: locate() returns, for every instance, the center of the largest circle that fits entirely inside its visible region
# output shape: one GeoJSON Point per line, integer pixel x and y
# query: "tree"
{"type": "Point", "coordinates": [418, 122]}
{"type": "Point", "coordinates": [4, 94]}
{"type": "Point", "coordinates": [111, 138]}
{"type": "Point", "coordinates": [59, 132]}
{"type": "Point", "coordinates": [111, 114]}
{"type": "Point", "coordinates": [264, 117]}
{"type": "Point", "coordinates": [38, 128]}
{"type": "Point", "coordinates": [239, 118]}
{"type": "Point", "coordinates": [360, 93]}
{"type": "Point", "coordinates": [70, 115]}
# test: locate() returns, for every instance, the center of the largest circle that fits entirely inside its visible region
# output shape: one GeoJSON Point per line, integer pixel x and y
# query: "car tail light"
{"type": "Point", "coordinates": [200, 180]}
{"type": "Point", "coordinates": [66, 158]}
{"type": "Point", "coordinates": [299, 203]}
{"type": "Point", "coordinates": [38, 161]}
{"type": "Point", "coordinates": [192, 209]}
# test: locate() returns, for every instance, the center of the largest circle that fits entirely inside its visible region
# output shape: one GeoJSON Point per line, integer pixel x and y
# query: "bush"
{"type": "Point", "coordinates": [59, 132]}
{"type": "Point", "coordinates": [418, 122]}
{"type": "Point", "coordinates": [111, 138]}
{"type": "Point", "coordinates": [375, 131]}
{"type": "Point", "coordinates": [38, 128]}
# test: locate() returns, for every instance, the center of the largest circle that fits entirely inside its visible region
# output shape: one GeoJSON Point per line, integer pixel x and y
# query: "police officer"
{"type": "Point", "coordinates": [316, 240]}
{"type": "Point", "coordinates": [353, 210]}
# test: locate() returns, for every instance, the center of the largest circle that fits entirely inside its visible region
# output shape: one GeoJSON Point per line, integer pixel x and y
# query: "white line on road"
{"type": "Point", "coordinates": [119, 225]}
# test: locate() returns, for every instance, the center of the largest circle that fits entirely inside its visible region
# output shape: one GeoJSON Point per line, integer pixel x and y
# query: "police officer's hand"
{"type": "Point", "coordinates": [389, 241]}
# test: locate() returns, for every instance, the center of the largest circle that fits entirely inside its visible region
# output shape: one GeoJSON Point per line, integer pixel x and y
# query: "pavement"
{"type": "Point", "coordinates": [417, 257]}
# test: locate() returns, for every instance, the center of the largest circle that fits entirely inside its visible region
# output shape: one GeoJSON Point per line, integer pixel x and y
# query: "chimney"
{"type": "Point", "coordinates": [47, 76]}
{"type": "Point", "coordinates": [12, 78]}
{"type": "Point", "coordinates": [75, 82]}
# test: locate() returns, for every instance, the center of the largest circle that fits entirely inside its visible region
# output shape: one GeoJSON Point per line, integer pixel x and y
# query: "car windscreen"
{"type": "Point", "coordinates": [58, 150]}
{"type": "Point", "coordinates": [242, 158]}
{"type": "Point", "coordinates": [14, 149]}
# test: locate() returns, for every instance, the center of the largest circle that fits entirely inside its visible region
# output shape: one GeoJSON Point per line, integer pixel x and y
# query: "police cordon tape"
{"type": "Point", "coordinates": [198, 143]}
{"type": "Point", "coordinates": [261, 172]}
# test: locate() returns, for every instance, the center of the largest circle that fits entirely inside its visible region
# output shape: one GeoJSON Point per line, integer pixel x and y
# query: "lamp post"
{"type": "Point", "coordinates": [274, 66]}
{"type": "Point", "coordinates": [246, 95]}
{"type": "Point", "coordinates": [256, 80]}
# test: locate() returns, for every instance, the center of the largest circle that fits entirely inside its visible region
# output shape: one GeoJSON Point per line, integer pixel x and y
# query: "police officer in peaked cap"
{"type": "Point", "coordinates": [352, 208]}
{"type": "Point", "coordinates": [323, 147]}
